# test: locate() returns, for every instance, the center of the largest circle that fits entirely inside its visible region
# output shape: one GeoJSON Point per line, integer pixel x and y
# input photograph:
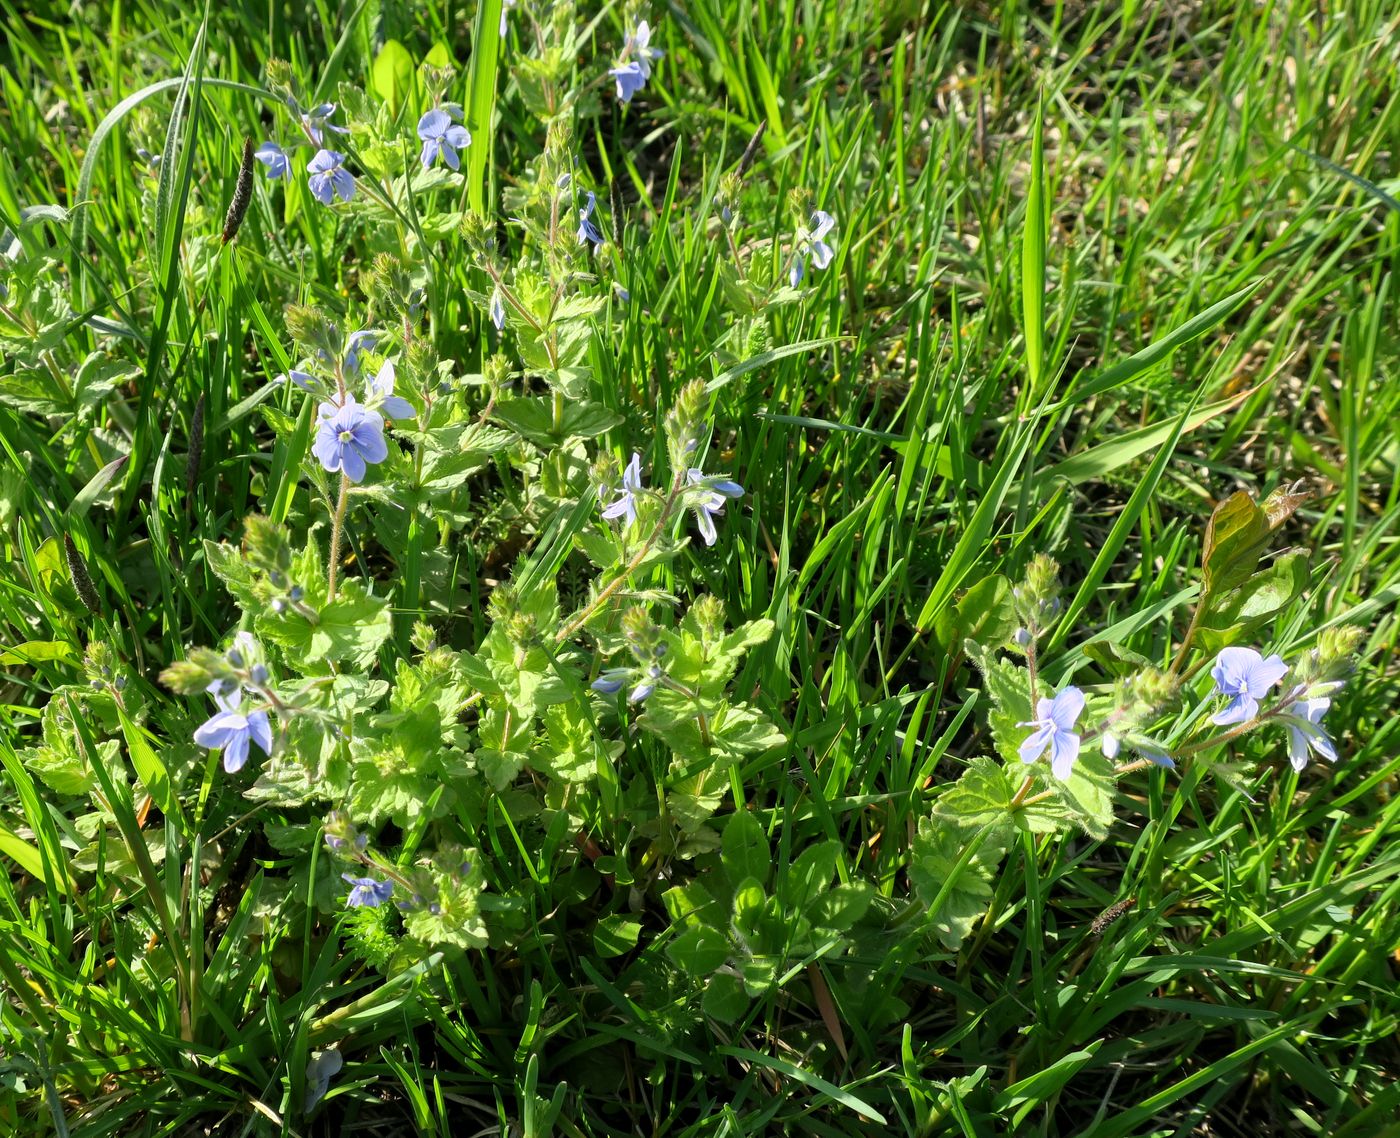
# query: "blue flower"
{"type": "Point", "coordinates": [274, 158]}
{"type": "Point", "coordinates": [647, 685]}
{"type": "Point", "coordinates": [233, 731]}
{"type": "Point", "coordinates": [710, 500]}
{"type": "Point", "coordinates": [629, 78]}
{"type": "Point", "coordinates": [381, 393]}
{"type": "Point", "coordinates": [506, 6]}
{"type": "Point", "coordinates": [810, 244]}
{"type": "Point", "coordinates": [356, 344]}
{"type": "Point", "coordinates": [441, 135]}
{"type": "Point", "coordinates": [1245, 677]}
{"type": "Point", "coordinates": [1054, 728]}
{"type": "Point", "coordinates": [498, 309]}
{"type": "Point", "coordinates": [611, 681]}
{"type": "Point", "coordinates": [587, 231]}
{"type": "Point", "coordinates": [822, 253]}
{"type": "Point", "coordinates": [632, 75]}
{"type": "Point", "coordinates": [349, 437]}
{"type": "Point", "coordinates": [329, 178]}
{"type": "Point", "coordinates": [367, 892]}
{"type": "Point", "coordinates": [625, 504]}
{"type": "Point", "coordinates": [615, 679]}
{"type": "Point", "coordinates": [315, 119]}
{"type": "Point", "coordinates": [303, 379]}
{"type": "Point", "coordinates": [1304, 721]}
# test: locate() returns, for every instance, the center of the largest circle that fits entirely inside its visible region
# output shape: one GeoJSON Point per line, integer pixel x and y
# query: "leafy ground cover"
{"type": "Point", "coordinates": [562, 792]}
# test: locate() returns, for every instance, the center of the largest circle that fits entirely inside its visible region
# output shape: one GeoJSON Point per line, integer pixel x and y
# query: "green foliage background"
{"type": "Point", "coordinates": [1194, 155]}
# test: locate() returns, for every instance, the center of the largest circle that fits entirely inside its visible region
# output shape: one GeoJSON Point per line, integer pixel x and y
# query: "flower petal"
{"type": "Point", "coordinates": [236, 753]}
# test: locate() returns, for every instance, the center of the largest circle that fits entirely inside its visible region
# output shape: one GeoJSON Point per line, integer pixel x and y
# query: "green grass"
{"type": "Point", "coordinates": [169, 975]}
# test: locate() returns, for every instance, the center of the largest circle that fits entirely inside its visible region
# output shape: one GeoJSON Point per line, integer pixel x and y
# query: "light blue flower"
{"type": "Point", "coordinates": [625, 504]}
{"type": "Point", "coordinates": [611, 681]}
{"type": "Point", "coordinates": [810, 243]}
{"type": "Point", "coordinates": [709, 500]}
{"type": "Point", "coordinates": [232, 731]}
{"type": "Point", "coordinates": [1112, 744]}
{"type": "Point", "coordinates": [367, 892]}
{"type": "Point", "coordinates": [629, 79]}
{"type": "Point", "coordinates": [587, 231]}
{"type": "Point", "coordinates": [314, 120]}
{"type": "Point", "coordinates": [441, 135]}
{"type": "Point", "coordinates": [348, 438]}
{"type": "Point", "coordinates": [506, 6]}
{"type": "Point", "coordinates": [1245, 677]}
{"type": "Point", "coordinates": [651, 677]}
{"type": "Point", "coordinates": [1304, 721]}
{"type": "Point", "coordinates": [356, 344]}
{"type": "Point", "coordinates": [303, 379]}
{"type": "Point", "coordinates": [1054, 728]}
{"type": "Point", "coordinates": [274, 158]}
{"type": "Point", "coordinates": [614, 680]}
{"type": "Point", "coordinates": [638, 55]}
{"type": "Point", "coordinates": [498, 309]}
{"type": "Point", "coordinates": [328, 178]}
{"type": "Point", "coordinates": [822, 253]}
{"type": "Point", "coordinates": [381, 394]}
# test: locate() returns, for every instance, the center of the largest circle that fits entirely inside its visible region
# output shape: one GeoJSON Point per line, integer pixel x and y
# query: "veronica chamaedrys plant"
{"type": "Point", "coordinates": [633, 68]}
{"type": "Point", "coordinates": [443, 136]}
{"type": "Point", "coordinates": [328, 178]}
{"type": "Point", "coordinates": [587, 230]}
{"type": "Point", "coordinates": [1053, 727]}
{"type": "Point", "coordinates": [811, 242]}
{"type": "Point", "coordinates": [1244, 677]}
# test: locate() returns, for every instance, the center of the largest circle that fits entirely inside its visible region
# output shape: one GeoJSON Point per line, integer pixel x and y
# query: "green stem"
{"type": "Point", "coordinates": [337, 528]}
{"type": "Point", "coordinates": [621, 579]}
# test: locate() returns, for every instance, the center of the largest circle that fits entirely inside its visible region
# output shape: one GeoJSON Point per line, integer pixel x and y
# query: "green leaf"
{"type": "Point", "coordinates": [237, 575]}
{"type": "Point", "coordinates": [725, 999]}
{"type": "Point", "coordinates": [985, 614]}
{"type": "Point", "coordinates": [839, 908]}
{"type": "Point", "coordinates": [350, 629]}
{"type": "Point", "coordinates": [1009, 688]}
{"type": "Point", "coordinates": [481, 98]}
{"type": "Point", "coordinates": [744, 849]}
{"type": "Point", "coordinates": [699, 951]}
{"type": "Point", "coordinates": [392, 75]}
{"type": "Point", "coordinates": [1141, 361]}
{"type": "Point", "coordinates": [616, 934]}
{"type": "Point", "coordinates": [1088, 793]}
{"type": "Point", "coordinates": [980, 797]}
{"type": "Point", "coordinates": [809, 875]}
{"type": "Point", "coordinates": [1235, 538]}
{"type": "Point", "coordinates": [1267, 593]}
{"type": "Point", "coordinates": [533, 419]}
{"type": "Point", "coordinates": [1114, 658]}
{"type": "Point", "coordinates": [952, 869]}
{"type": "Point", "coordinates": [33, 652]}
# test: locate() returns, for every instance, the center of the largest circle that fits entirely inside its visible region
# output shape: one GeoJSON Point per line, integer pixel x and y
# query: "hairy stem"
{"type": "Point", "coordinates": [337, 529]}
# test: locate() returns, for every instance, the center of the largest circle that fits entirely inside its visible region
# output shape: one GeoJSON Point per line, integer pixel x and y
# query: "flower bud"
{"type": "Point", "coordinates": [311, 328]}
{"type": "Point", "coordinates": [799, 203]}
{"type": "Point", "coordinates": [1153, 687]}
{"type": "Point", "coordinates": [708, 612]}
{"type": "Point", "coordinates": [1335, 646]}
{"type": "Point", "coordinates": [685, 423]}
{"type": "Point", "coordinates": [1037, 597]}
